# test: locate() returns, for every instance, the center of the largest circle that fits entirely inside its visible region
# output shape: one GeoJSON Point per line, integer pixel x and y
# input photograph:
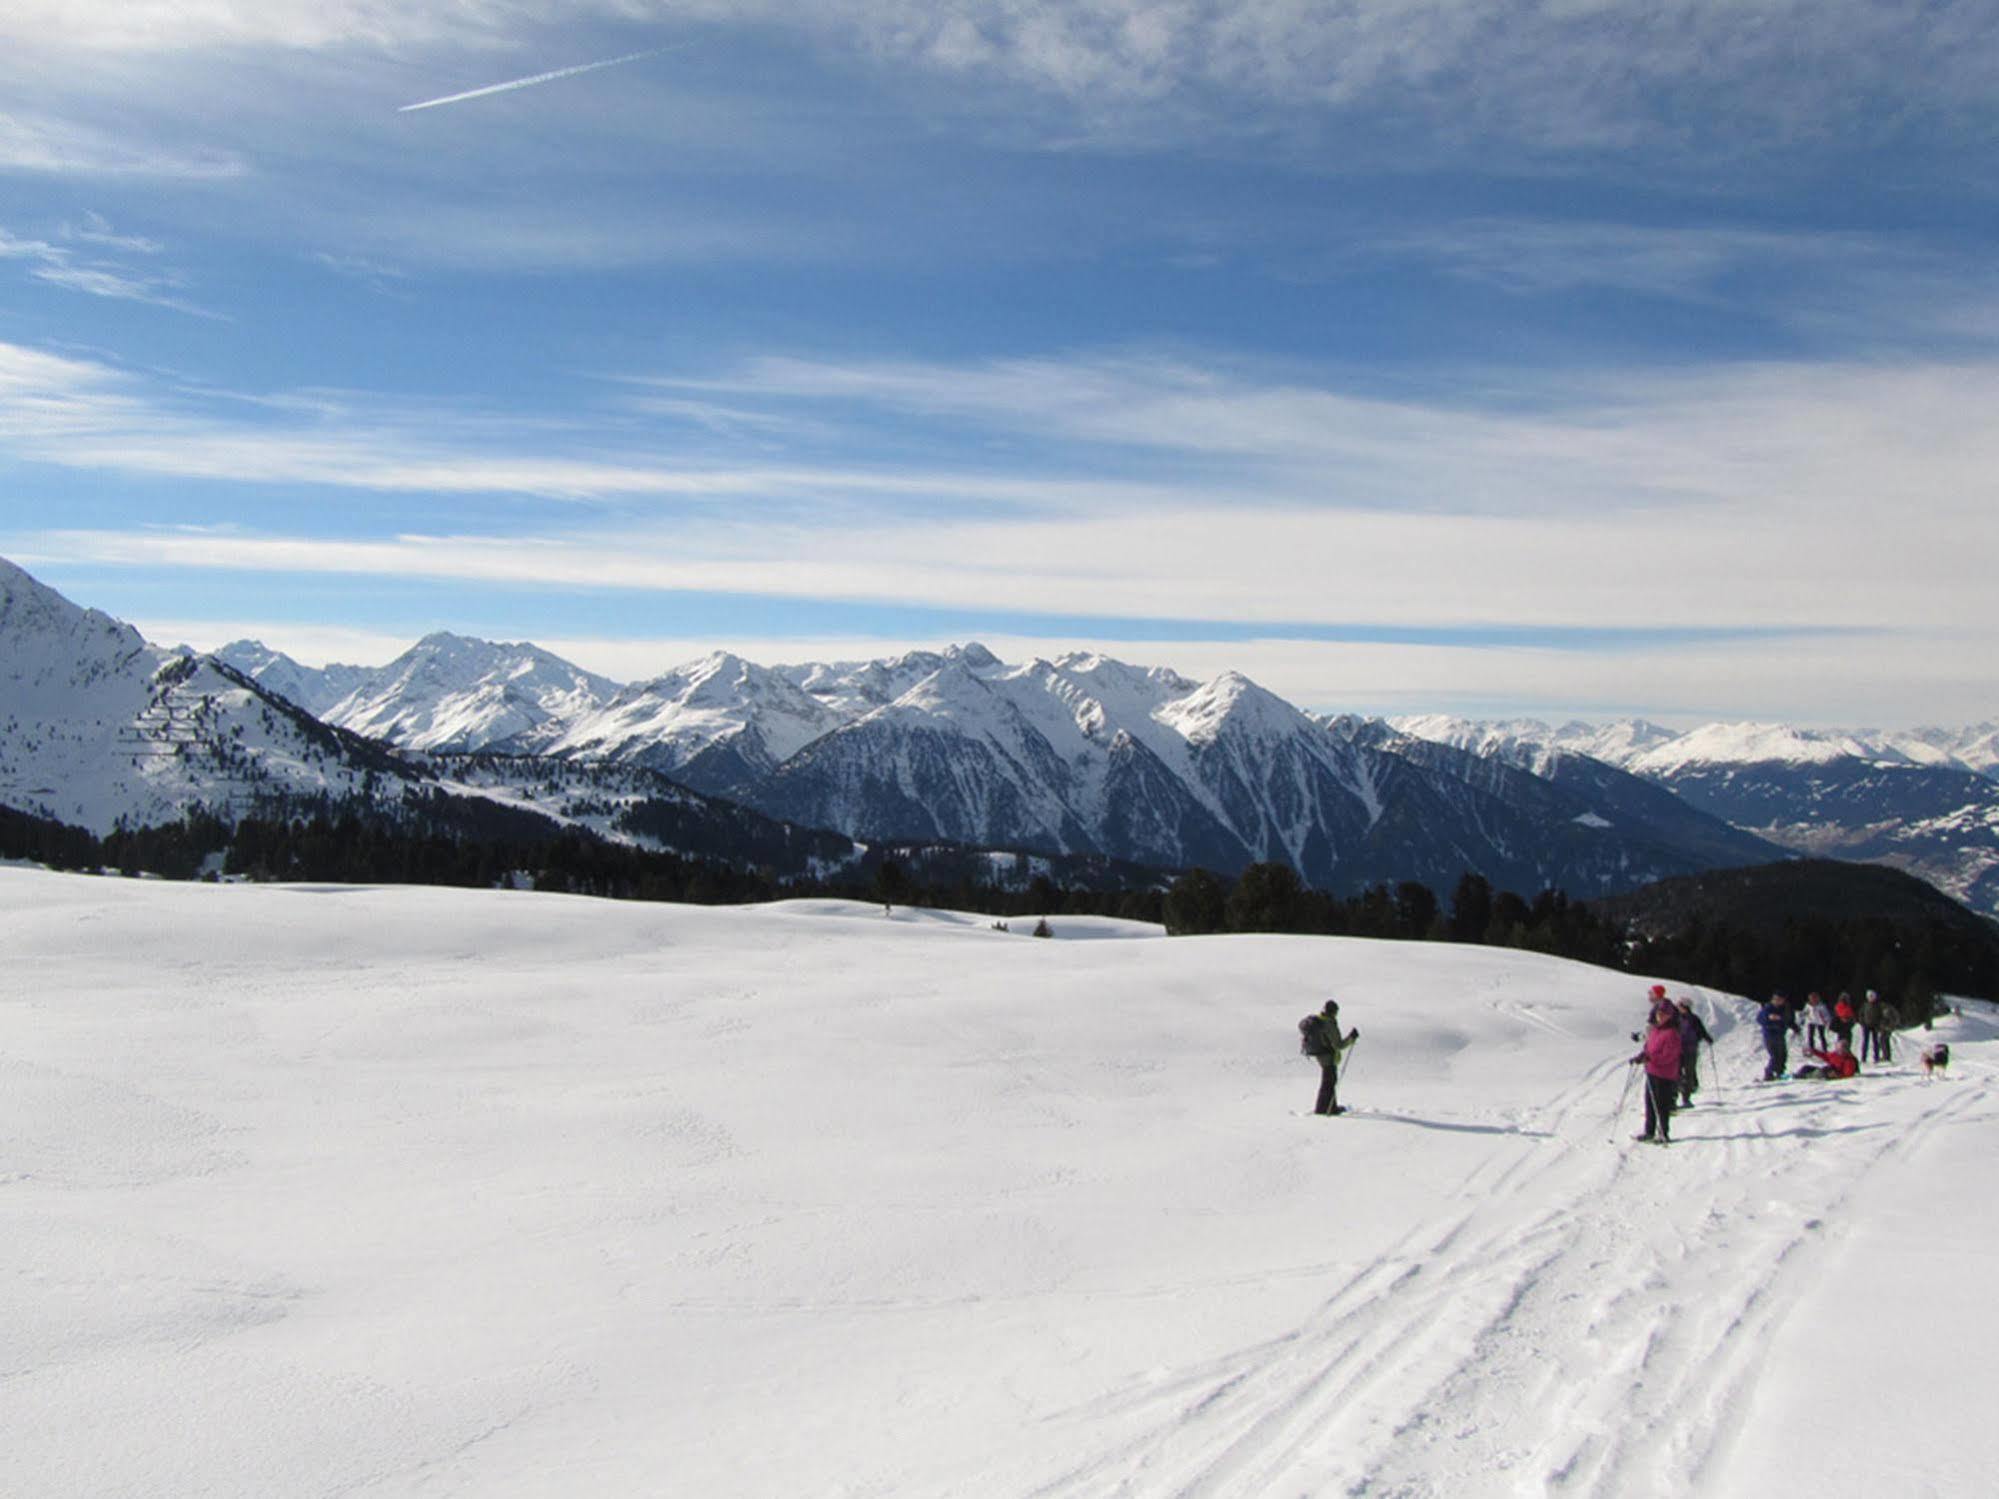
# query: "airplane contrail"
{"type": "Point", "coordinates": [514, 83]}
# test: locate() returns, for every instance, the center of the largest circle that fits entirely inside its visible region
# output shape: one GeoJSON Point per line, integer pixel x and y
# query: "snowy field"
{"type": "Point", "coordinates": [318, 1191]}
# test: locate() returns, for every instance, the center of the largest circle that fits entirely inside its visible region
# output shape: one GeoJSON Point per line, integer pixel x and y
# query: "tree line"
{"type": "Point", "coordinates": [451, 841]}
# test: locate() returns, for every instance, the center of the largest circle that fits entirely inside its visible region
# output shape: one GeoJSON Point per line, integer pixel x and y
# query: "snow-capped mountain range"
{"type": "Point", "coordinates": [1650, 750]}
{"type": "Point", "coordinates": [1079, 755]}
{"type": "Point", "coordinates": [1923, 800]}
{"type": "Point", "coordinates": [1082, 754]}
{"type": "Point", "coordinates": [100, 729]}
{"type": "Point", "coordinates": [445, 693]}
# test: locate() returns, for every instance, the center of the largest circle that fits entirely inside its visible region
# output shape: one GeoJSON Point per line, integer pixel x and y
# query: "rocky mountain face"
{"type": "Point", "coordinates": [1916, 800]}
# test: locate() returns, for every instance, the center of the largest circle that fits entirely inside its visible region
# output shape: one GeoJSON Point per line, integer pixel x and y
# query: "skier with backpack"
{"type": "Point", "coordinates": [1319, 1038]}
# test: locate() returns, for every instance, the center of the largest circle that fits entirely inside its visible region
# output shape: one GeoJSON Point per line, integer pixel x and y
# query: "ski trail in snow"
{"type": "Point", "coordinates": [1230, 1417]}
{"type": "Point", "coordinates": [1601, 1341]}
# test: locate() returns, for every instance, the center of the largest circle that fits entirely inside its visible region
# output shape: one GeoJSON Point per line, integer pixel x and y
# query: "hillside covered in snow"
{"type": "Point", "coordinates": [316, 1190]}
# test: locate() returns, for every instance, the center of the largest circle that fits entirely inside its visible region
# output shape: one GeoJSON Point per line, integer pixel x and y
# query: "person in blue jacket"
{"type": "Point", "coordinates": [1777, 1023]}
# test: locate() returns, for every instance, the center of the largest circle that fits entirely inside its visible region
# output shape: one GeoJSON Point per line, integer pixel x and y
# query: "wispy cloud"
{"type": "Point", "coordinates": [1769, 497]}
{"type": "Point", "coordinates": [1543, 256]}
{"type": "Point", "coordinates": [1868, 288]}
{"type": "Point", "coordinates": [54, 147]}
{"type": "Point", "coordinates": [61, 264]}
{"type": "Point", "coordinates": [1684, 76]}
{"type": "Point", "coordinates": [95, 229]}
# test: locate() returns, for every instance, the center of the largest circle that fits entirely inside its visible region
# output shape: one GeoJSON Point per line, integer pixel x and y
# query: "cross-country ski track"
{"type": "Point", "coordinates": [384, 1192]}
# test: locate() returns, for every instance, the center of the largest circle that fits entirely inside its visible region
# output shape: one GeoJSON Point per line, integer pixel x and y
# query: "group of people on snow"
{"type": "Point", "coordinates": [1674, 1035]}
{"type": "Point", "coordinates": [1670, 1047]}
{"type": "Point", "coordinates": [1779, 1019]}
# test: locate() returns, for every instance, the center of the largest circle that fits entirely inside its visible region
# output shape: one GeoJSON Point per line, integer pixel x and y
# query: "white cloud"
{"type": "Point", "coordinates": [1602, 74]}
{"type": "Point", "coordinates": [59, 264]}
{"type": "Point", "coordinates": [1763, 495]}
{"type": "Point", "coordinates": [45, 145]}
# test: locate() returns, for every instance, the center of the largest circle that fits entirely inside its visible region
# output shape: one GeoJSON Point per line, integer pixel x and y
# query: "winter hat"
{"type": "Point", "coordinates": [1873, 994]}
{"type": "Point", "coordinates": [1658, 991]}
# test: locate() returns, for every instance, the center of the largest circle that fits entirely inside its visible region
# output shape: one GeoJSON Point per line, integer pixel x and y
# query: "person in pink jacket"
{"type": "Point", "coordinates": [1661, 1057]}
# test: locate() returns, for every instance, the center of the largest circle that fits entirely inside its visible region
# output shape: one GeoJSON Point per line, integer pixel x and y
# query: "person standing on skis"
{"type": "Point", "coordinates": [1661, 1060]}
{"type": "Point", "coordinates": [1693, 1034]}
{"type": "Point", "coordinates": [1320, 1039]}
{"type": "Point", "coordinates": [1776, 1022]}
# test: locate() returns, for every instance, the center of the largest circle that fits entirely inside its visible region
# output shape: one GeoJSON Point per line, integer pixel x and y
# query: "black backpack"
{"type": "Point", "coordinates": [1312, 1036]}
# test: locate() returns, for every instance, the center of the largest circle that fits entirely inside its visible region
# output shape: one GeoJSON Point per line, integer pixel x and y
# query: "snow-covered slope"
{"type": "Point", "coordinates": [1527, 742]}
{"type": "Point", "coordinates": [98, 727]}
{"type": "Point", "coordinates": [1974, 746]}
{"type": "Point", "coordinates": [710, 723]}
{"type": "Point", "coordinates": [404, 1192]}
{"type": "Point", "coordinates": [448, 692]}
{"type": "Point", "coordinates": [313, 688]}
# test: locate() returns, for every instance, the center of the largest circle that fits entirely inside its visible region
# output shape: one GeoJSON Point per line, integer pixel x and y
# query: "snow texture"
{"type": "Point", "coordinates": [316, 1191]}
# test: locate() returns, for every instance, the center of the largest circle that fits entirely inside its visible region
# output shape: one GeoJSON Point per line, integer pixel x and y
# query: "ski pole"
{"type": "Point", "coordinates": [1348, 1057]}
{"type": "Point", "coordinates": [1630, 1077]}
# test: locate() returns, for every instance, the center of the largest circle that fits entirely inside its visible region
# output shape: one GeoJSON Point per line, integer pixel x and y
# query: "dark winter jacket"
{"type": "Point", "coordinates": [1693, 1031]}
{"type": "Point", "coordinates": [1775, 1018]}
{"type": "Point", "coordinates": [1870, 1014]}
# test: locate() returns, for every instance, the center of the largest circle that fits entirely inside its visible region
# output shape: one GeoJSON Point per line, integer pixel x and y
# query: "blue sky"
{"type": "Point", "coordinates": [1579, 359]}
